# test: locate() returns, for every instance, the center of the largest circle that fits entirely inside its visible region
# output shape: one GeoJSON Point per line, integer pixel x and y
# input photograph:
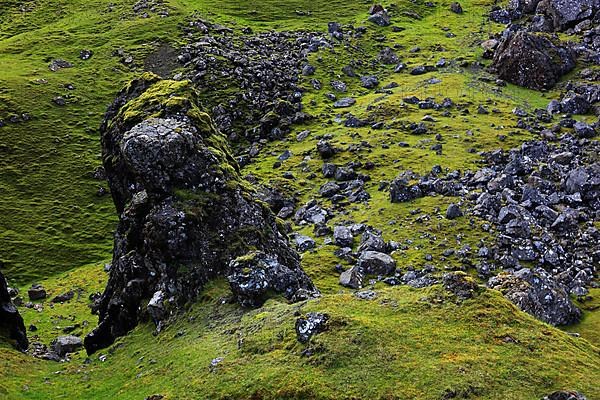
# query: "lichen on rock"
{"type": "Point", "coordinates": [185, 213]}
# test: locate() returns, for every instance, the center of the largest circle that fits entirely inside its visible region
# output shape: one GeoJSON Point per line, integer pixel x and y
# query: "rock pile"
{"type": "Point", "coordinates": [543, 201]}
{"type": "Point", "coordinates": [186, 216]}
{"type": "Point", "coordinates": [262, 68]}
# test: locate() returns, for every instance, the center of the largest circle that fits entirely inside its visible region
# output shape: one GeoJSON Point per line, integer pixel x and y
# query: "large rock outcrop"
{"type": "Point", "coordinates": [531, 60]}
{"type": "Point", "coordinates": [185, 213]}
{"type": "Point", "coordinates": [11, 323]}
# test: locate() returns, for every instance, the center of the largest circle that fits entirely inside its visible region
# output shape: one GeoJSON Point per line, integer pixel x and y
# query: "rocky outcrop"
{"type": "Point", "coordinates": [11, 323]}
{"type": "Point", "coordinates": [538, 294]}
{"type": "Point", "coordinates": [184, 212]}
{"type": "Point", "coordinates": [532, 61]}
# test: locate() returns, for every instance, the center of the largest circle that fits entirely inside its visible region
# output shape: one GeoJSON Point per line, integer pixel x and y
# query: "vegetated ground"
{"type": "Point", "coordinates": [407, 343]}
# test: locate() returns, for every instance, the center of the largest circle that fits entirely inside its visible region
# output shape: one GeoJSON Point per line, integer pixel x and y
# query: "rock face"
{"type": "Point", "coordinates": [532, 61]}
{"type": "Point", "coordinates": [185, 213]}
{"type": "Point", "coordinates": [11, 323]}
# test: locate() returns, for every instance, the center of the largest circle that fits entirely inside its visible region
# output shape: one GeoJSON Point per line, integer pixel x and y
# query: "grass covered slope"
{"type": "Point", "coordinates": [406, 343]}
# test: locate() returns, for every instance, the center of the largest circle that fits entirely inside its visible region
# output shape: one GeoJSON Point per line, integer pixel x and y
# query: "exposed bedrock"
{"type": "Point", "coordinates": [185, 215]}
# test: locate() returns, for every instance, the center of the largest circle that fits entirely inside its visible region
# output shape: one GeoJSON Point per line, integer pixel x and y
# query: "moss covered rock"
{"type": "Point", "coordinates": [185, 213]}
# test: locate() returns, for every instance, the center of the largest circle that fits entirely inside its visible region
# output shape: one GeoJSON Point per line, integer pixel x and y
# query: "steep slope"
{"type": "Point", "coordinates": [361, 137]}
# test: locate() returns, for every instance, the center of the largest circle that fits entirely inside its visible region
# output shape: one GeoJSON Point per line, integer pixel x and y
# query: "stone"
{"type": "Point", "coordinates": [369, 81]}
{"type": "Point", "coordinates": [566, 14]}
{"type": "Point", "coordinates": [453, 211]}
{"type": "Point", "coordinates": [401, 192]}
{"type": "Point", "coordinates": [376, 263]}
{"type": "Point", "coordinates": [178, 191]}
{"type": "Point", "coordinates": [344, 102]}
{"type": "Point", "coordinates": [565, 395]}
{"type": "Point", "coordinates": [66, 344]}
{"type": "Point", "coordinates": [584, 130]}
{"type": "Point", "coordinates": [325, 149]}
{"type": "Point", "coordinates": [304, 243]}
{"type": "Point", "coordinates": [352, 278]}
{"type": "Point", "coordinates": [380, 18]}
{"type": "Point", "coordinates": [59, 64]}
{"type": "Point", "coordinates": [460, 284]}
{"type": "Point", "coordinates": [62, 298]}
{"type": "Point", "coordinates": [456, 8]}
{"type": "Point", "coordinates": [36, 292]}
{"type": "Point", "coordinates": [253, 276]}
{"type": "Point", "coordinates": [371, 241]}
{"type": "Point", "coordinates": [342, 236]}
{"type": "Point", "coordinates": [310, 325]}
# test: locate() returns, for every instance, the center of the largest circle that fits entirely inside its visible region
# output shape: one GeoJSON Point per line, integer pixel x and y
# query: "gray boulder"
{"type": "Point", "coordinates": [376, 263]}
{"type": "Point", "coordinates": [66, 344]}
{"type": "Point", "coordinates": [566, 14]}
{"type": "Point", "coordinates": [537, 293]}
{"type": "Point", "coordinates": [254, 276]}
{"type": "Point", "coordinates": [352, 278]}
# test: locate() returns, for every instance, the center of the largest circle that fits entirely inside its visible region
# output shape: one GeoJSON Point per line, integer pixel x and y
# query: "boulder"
{"type": "Point", "coordinates": [11, 322]}
{"type": "Point", "coordinates": [460, 284]}
{"type": "Point", "coordinates": [36, 292]}
{"type": "Point", "coordinates": [530, 60]}
{"type": "Point", "coordinates": [565, 395]}
{"type": "Point", "coordinates": [66, 344]}
{"type": "Point", "coordinates": [401, 191]}
{"type": "Point", "coordinates": [352, 278]}
{"type": "Point", "coordinates": [310, 325]}
{"type": "Point", "coordinates": [376, 263]}
{"type": "Point", "coordinates": [342, 236]}
{"type": "Point", "coordinates": [254, 276]}
{"type": "Point", "coordinates": [456, 8]}
{"type": "Point", "coordinates": [453, 211]}
{"type": "Point", "coordinates": [184, 212]}
{"type": "Point", "coordinates": [537, 293]}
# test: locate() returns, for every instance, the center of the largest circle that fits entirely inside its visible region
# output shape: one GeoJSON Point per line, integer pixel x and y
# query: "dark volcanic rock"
{"type": "Point", "coordinates": [313, 323]}
{"type": "Point", "coordinates": [11, 323]}
{"type": "Point", "coordinates": [537, 293]}
{"type": "Point", "coordinates": [565, 395]}
{"type": "Point", "coordinates": [255, 275]}
{"type": "Point", "coordinates": [185, 212]}
{"type": "Point", "coordinates": [352, 278]}
{"type": "Point", "coordinates": [532, 61]}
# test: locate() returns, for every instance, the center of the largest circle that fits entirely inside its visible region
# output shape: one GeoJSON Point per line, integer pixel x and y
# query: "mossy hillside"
{"type": "Point", "coordinates": [407, 343]}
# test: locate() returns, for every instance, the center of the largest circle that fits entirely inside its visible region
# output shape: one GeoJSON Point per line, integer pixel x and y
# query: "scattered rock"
{"type": "Point", "coordinates": [310, 325]}
{"type": "Point", "coordinates": [352, 278]}
{"type": "Point", "coordinates": [66, 344]}
{"type": "Point", "coordinates": [36, 292]}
